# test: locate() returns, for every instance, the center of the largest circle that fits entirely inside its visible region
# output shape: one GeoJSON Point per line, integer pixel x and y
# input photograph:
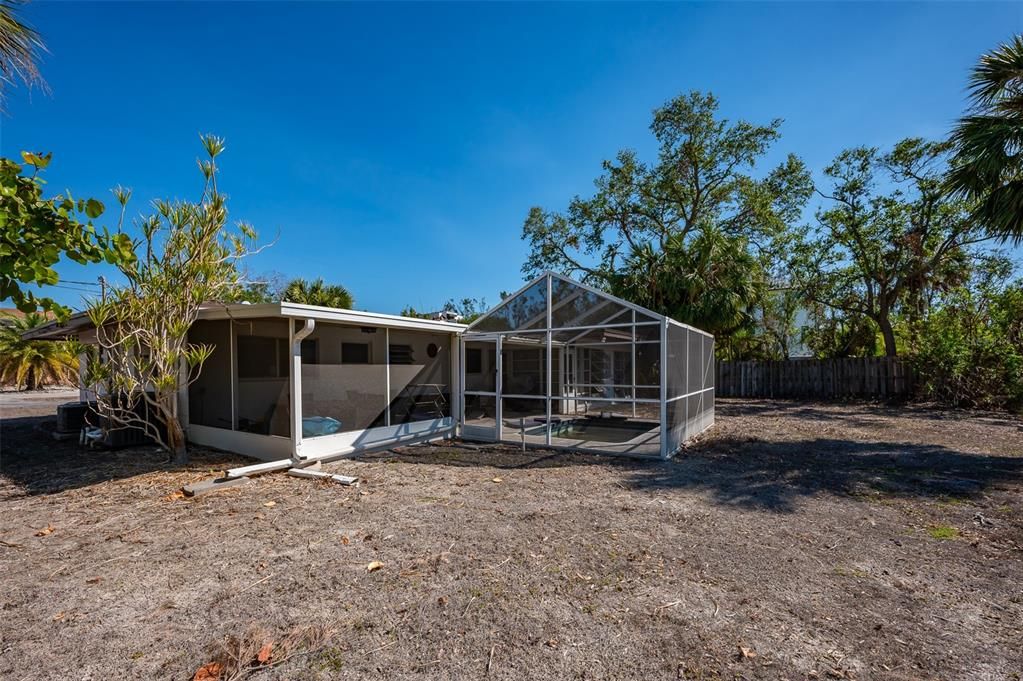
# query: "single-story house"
{"type": "Point", "coordinates": [557, 364]}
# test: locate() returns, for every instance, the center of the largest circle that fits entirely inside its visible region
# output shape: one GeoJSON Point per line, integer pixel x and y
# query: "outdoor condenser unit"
{"type": "Point", "coordinates": [73, 416]}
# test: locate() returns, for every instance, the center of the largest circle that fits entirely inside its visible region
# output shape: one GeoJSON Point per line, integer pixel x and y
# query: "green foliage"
{"type": "Point", "coordinates": [33, 364]}
{"type": "Point", "coordinates": [318, 293]}
{"type": "Point", "coordinates": [186, 255]}
{"type": "Point", "coordinates": [942, 532]}
{"type": "Point", "coordinates": [694, 234]}
{"type": "Point", "coordinates": [971, 346]}
{"type": "Point", "coordinates": [36, 232]}
{"type": "Point", "coordinates": [836, 334]}
{"type": "Point", "coordinates": [878, 252]}
{"type": "Point", "coordinates": [988, 168]}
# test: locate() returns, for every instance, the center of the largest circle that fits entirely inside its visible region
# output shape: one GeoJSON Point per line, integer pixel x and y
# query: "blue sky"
{"type": "Point", "coordinates": [397, 148]}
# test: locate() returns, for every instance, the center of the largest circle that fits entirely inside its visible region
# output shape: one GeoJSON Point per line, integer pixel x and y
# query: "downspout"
{"type": "Point", "coordinates": [295, 376]}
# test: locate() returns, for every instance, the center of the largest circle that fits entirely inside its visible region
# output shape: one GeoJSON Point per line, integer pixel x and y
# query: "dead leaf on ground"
{"type": "Point", "coordinates": [175, 495]}
{"type": "Point", "coordinates": [94, 580]}
{"type": "Point", "coordinates": [59, 616]}
{"type": "Point", "coordinates": [345, 540]}
{"type": "Point", "coordinates": [270, 504]}
{"type": "Point", "coordinates": [374, 566]}
{"type": "Point", "coordinates": [497, 480]}
{"type": "Point", "coordinates": [747, 653]}
{"type": "Point", "coordinates": [209, 672]}
{"type": "Point", "coordinates": [46, 530]}
{"type": "Point", "coordinates": [264, 653]}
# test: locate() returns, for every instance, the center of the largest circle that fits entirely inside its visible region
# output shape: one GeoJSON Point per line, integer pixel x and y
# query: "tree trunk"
{"type": "Point", "coordinates": [889, 336]}
{"type": "Point", "coordinates": [175, 433]}
{"type": "Point", "coordinates": [176, 442]}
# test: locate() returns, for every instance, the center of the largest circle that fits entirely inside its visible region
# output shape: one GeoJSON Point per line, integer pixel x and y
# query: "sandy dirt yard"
{"type": "Point", "coordinates": [792, 541]}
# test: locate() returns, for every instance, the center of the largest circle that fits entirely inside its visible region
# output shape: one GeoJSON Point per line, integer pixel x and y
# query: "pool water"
{"type": "Point", "coordinates": [597, 430]}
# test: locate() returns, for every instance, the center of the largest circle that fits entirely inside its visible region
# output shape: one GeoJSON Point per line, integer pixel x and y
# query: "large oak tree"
{"type": "Point", "coordinates": [694, 233]}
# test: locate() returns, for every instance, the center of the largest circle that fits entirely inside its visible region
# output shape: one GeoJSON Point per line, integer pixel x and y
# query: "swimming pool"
{"type": "Point", "coordinates": [597, 429]}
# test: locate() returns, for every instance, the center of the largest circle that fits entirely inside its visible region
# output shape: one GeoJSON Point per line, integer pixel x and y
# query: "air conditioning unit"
{"type": "Point", "coordinates": [73, 416]}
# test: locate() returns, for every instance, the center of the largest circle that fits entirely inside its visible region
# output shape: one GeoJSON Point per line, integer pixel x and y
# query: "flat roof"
{"type": "Point", "coordinates": [80, 321]}
{"type": "Point", "coordinates": [326, 314]}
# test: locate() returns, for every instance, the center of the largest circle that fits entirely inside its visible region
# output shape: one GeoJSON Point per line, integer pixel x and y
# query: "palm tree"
{"type": "Point", "coordinates": [19, 48]}
{"type": "Point", "coordinates": [34, 363]}
{"type": "Point", "coordinates": [318, 293]}
{"type": "Point", "coordinates": [988, 163]}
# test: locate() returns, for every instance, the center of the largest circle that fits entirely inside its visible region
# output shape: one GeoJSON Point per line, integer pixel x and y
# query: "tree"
{"type": "Point", "coordinates": [33, 364]}
{"type": "Point", "coordinates": [834, 333]}
{"type": "Point", "coordinates": [971, 350]}
{"type": "Point", "coordinates": [988, 167]}
{"type": "Point", "coordinates": [20, 45]}
{"type": "Point", "coordinates": [318, 293]}
{"type": "Point", "coordinates": [36, 232]}
{"type": "Point", "coordinates": [875, 252]}
{"type": "Point", "coordinates": [267, 288]}
{"type": "Point", "coordinates": [692, 235]}
{"type": "Point", "coordinates": [186, 256]}
{"type": "Point", "coordinates": [779, 312]}
{"type": "Point", "coordinates": [465, 311]}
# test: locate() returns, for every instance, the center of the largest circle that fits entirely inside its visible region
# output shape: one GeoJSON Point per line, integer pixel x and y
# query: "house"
{"type": "Point", "coordinates": [557, 364]}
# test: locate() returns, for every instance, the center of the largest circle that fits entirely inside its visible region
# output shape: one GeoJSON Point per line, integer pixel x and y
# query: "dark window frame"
{"type": "Point", "coordinates": [350, 347]}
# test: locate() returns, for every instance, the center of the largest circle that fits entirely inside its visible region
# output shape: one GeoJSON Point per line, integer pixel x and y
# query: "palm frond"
{"type": "Point", "coordinates": [20, 47]}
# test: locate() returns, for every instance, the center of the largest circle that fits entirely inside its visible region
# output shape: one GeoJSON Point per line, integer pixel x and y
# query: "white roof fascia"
{"type": "Point", "coordinates": [360, 318]}
{"type": "Point", "coordinates": [327, 314]}
{"type": "Point", "coordinates": [691, 328]}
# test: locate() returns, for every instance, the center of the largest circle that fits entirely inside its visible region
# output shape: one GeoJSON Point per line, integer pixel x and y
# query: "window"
{"type": "Point", "coordinates": [310, 351]}
{"type": "Point", "coordinates": [473, 361]}
{"type": "Point", "coordinates": [262, 357]}
{"type": "Point", "coordinates": [355, 353]}
{"type": "Point", "coordinates": [401, 354]}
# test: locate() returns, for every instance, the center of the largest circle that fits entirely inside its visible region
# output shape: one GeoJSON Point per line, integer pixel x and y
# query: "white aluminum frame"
{"type": "Point", "coordinates": [569, 353]}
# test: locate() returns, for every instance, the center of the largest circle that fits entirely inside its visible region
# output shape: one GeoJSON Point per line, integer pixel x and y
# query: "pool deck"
{"type": "Point", "coordinates": [646, 443]}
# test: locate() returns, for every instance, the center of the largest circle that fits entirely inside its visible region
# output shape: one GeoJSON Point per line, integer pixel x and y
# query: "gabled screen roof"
{"type": "Point", "coordinates": [571, 305]}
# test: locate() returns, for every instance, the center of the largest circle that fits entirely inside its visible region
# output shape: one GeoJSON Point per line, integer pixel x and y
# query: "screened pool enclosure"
{"type": "Point", "coordinates": [560, 364]}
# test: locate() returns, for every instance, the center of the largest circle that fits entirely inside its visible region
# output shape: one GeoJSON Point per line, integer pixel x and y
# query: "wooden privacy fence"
{"type": "Point", "coordinates": [872, 377]}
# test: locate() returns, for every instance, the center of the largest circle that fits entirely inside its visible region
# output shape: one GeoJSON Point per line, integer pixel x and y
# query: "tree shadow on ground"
{"type": "Point", "coordinates": [860, 413]}
{"type": "Point", "coordinates": [774, 476]}
{"type": "Point", "coordinates": [763, 475]}
{"type": "Point", "coordinates": [35, 463]}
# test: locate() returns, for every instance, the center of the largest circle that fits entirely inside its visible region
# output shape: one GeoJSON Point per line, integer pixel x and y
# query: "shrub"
{"type": "Point", "coordinates": [971, 350]}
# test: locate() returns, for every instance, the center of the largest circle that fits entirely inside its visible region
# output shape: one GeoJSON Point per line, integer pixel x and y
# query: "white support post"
{"type": "Point", "coordinates": [457, 383]}
{"type": "Point", "coordinates": [633, 364]}
{"type": "Point", "coordinates": [498, 388]}
{"type": "Point", "coordinates": [562, 378]}
{"type": "Point", "coordinates": [387, 376]}
{"type": "Point", "coordinates": [685, 405]}
{"type": "Point", "coordinates": [664, 389]}
{"type": "Point", "coordinates": [295, 383]}
{"type": "Point", "coordinates": [547, 430]}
